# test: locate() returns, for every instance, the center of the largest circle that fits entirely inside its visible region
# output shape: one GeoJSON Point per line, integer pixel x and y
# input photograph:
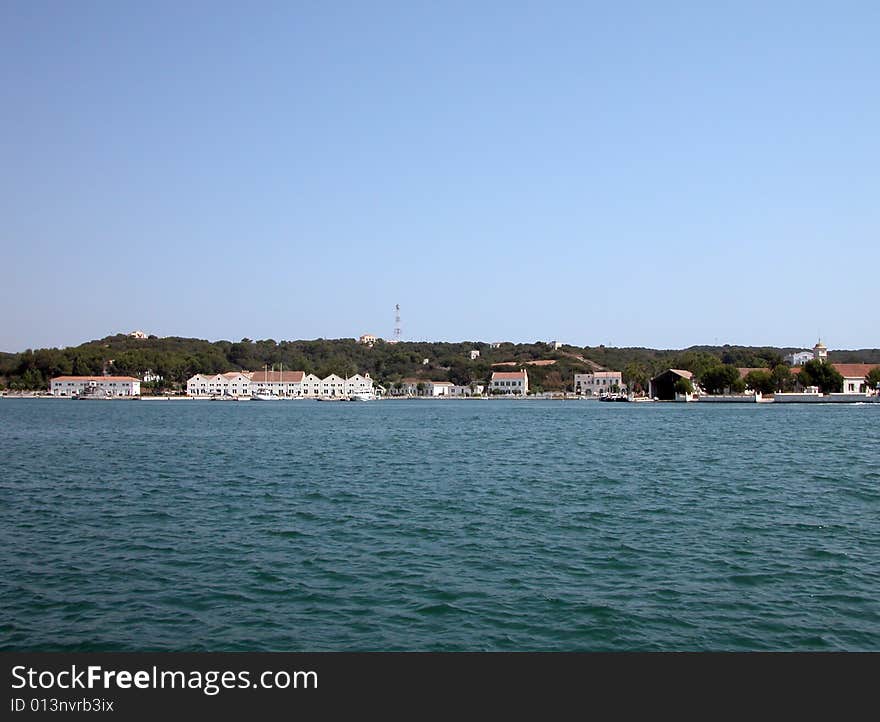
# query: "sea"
{"type": "Point", "coordinates": [438, 525]}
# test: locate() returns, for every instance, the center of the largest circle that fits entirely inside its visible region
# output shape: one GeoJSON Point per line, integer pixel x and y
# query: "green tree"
{"type": "Point", "coordinates": [821, 374]}
{"type": "Point", "coordinates": [717, 379]}
{"type": "Point", "coordinates": [684, 386]}
{"type": "Point", "coordinates": [782, 378]}
{"type": "Point", "coordinates": [636, 376]}
{"type": "Point", "coordinates": [459, 373]}
{"type": "Point", "coordinates": [760, 381]}
{"type": "Point", "coordinates": [873, 378]}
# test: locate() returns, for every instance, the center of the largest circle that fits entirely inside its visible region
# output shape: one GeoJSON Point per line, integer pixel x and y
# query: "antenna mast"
{"type": "Point", "coordinates": [396, 323]}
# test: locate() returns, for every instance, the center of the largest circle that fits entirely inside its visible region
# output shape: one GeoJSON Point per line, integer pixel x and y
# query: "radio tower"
{"type": "Point", "coordinates": [397, 323]}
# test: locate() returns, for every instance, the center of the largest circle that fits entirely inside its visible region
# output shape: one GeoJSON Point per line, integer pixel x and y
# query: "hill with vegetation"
{"type": "Point", "coordinates": [176, 359]}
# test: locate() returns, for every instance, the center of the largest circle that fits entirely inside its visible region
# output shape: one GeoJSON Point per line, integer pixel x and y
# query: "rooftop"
{"type": "Point", "coordinates": [508, 375]}
{"type": "Point", "coordinates": [95, 378]}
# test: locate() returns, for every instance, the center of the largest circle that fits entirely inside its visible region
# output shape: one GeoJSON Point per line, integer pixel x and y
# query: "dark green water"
{"type": "Point", "coordinates": [496, 525]}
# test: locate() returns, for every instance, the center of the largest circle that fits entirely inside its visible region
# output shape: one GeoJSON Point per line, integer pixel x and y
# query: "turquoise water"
{"type": "Point", "coordinates": [432, 525]}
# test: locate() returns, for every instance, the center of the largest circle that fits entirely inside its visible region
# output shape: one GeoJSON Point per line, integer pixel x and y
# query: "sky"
{"type": "Point", "coordinates": [627, 173]}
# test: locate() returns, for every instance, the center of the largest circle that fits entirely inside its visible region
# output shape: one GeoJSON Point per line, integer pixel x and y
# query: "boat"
{"type": "Point", "coordinates": [362, 396]}
{"type": "Point", "coordinates": [266, 395]}
{"type": "Point", "coordinates": [92, 392]}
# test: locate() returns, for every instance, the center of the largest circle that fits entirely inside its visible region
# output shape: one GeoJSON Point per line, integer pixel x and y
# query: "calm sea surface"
{"type": "Point", "coordinates": [431, 525]}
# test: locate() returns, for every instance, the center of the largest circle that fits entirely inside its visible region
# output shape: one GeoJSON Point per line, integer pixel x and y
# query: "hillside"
{"type": "Point", "coordinates": [178, 358]}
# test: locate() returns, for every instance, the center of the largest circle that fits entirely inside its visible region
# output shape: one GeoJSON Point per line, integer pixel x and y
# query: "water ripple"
{"type": "Point", "coordinates": [438, 526]}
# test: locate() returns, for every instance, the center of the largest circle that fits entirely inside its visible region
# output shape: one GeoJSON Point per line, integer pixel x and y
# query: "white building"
{"type": "Point", "coordinates": [475, 354]}
{"type": "Point", "coordinates": [555, 345]}
{"type": "Point", "coordinates": [277, 383]}
{"type": "Point", "coordinates": [289, 384]}
{"type": "Point", "coordinates": [468, 390]}
{"type": "Point", "coordinates": [854, 377]}
{"type": "Point", "coordinates": [232, 383]}
{"type": "Point", "coordinates": [367, 339]}
{"type": "Point", "coordinates": [509, 382]}
{"type": "Point", "coordinates": [109, 385]}
{"type": "Point", "coordinates": [358, 384]}
{"type": "Point", "coordinates": [598, 383]}
{"type": "Point", "coordinates": [820, 351]}
{"type": "Point", "coordinates": [798, 358]}
{"type": "Point", "coordinates": [423, 387]}
{"type": "Point", "coordinates": [333, 385]}
{"type": "Point", "coordinates": [137, 334]}
{"type": "Point", "coordinates": [439, 388]}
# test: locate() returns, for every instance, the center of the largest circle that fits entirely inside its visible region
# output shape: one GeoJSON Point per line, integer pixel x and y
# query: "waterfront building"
{"type": "Point", "coordinates": [109, 385]}
{"type": "Point", "coordinates": [598, 383]}
{"type": "Point", "coordinates": [467, 390]}
{"type": "Point", "coordinates": [311, 386]}
{"type": "Point", "coordinates": [290, 384]}
{"type": "Point", "coordinates": [232, 383]}
{"type": "Point", "coordinates": [423, 387]}
{"type": "Point", "coordinates": [509, 382]}
{"type": "Point", "coordinates": [277, 383]}
{"type": "Point", "coordinates": [440, 388]}
{"type": "Point", "coordinates": [662, 386]}
{"type": "Point", "coordinates": [333, 385]}
{"type": "Point", "coordinates": [854, 380]}
{"type": "Point", "coordinates": [358, 384]}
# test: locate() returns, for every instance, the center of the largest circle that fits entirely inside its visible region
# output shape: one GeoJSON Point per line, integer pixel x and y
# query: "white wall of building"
{"type": "Point", "coordinates": [466, 390]}
{"type": "Point", "coordinates": [232, 383]}
{"type": "Point", "coordinates": [854, 385]}
{"type": "Point", "coordinates": [598, 383]}
{"type": "Point", "coordinates": [509, 382]}
{"type": "Point", "coordinates": [112, 385]}
{"type": "Point", "coordinates": [799, 358]}
{"type": "Point", "coordinates": [309, 386]}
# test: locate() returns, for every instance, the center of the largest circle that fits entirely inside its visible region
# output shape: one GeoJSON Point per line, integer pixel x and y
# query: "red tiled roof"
{"type": "Point", "coordinates": [681, 372]}
{"type": "Point", "coordinates": [95, 378]}
{"type": "Point", "coordinates": [508, 375]}
{"type": "Point", "coordinates": [854, 371]}
{"type": "Point", "coordinates": [287, 377]}
{"type": "Point", "coordinates": [848, 371]}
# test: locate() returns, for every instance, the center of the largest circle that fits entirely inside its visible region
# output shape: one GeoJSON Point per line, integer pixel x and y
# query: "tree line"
{"type": "Point", "coordinates": [176, 359]}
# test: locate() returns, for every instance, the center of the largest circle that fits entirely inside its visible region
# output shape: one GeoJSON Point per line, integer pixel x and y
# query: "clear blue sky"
{"type": "Point", "coordinates": [658, 174]}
